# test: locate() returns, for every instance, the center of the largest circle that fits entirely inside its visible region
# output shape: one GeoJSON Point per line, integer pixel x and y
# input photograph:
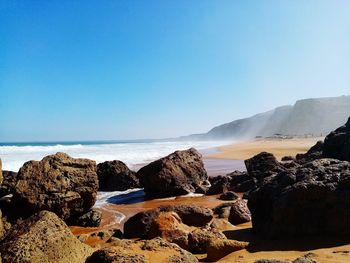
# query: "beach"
{"type": "Point", "coordinates": [278, 147]}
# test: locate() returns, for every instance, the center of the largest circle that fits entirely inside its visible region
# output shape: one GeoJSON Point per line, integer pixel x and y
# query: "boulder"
{"type": "Point", "coordinates": [42, 238]}
{"type": "Point", "coordinates": [199, 239]}
{"type": "Point", "coordinates": [223, 210]}
{"type": "Point", "coordinates": [179, 173]}
{"type": "Point", "coordinates": [263, 165]}
{"type": "Point", "coordinates": [239, 213]}
{"type": "Point", "coordinates": [219, 184]}
{"type": "Point", "coordinates": [309, 200]}
{"type": "Point", "coordinates": [156, 250]}
{"type": "Point", "coordinates": [116, 176]}
{"type": "Point", "coordinates": [57, 183]}
{"type": "Point", "coordinates": [9, 183]}
{"type": "Point", "coordinates": [228, 196]}
{"type": "Point", "coordinates": [139, 225]}
{"type": "Point", "coordinates": [90, 219]}
{"type": "Point", "coordinates": [337, 143]}
{"type": "Point", "coordinates": [219, 248]}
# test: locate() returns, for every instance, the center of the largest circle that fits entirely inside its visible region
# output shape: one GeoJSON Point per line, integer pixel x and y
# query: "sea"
{"type": "Point", "coordinates": [133, 153]}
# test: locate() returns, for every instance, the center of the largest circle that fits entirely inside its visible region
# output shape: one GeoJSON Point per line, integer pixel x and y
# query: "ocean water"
{"type": "Point", "coordinates": [133, 153]}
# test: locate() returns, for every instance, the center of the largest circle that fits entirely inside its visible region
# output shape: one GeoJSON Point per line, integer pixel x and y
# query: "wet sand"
{"type": "Point", "coordinates": [279, 147]}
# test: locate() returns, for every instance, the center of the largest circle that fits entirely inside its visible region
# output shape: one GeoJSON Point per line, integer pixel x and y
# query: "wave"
{"type": "Point", "coordinates": [133, 154]}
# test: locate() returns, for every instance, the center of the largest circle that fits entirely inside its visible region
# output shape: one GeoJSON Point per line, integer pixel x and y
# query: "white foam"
{"type": "Point", "coordinates": [13, 157]}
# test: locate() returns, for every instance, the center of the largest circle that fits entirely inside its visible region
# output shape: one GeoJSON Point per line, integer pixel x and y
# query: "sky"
{"type": "Point", "coordinates": [121, 69]}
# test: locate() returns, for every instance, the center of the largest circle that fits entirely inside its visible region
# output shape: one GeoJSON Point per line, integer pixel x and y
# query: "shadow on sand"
{"type": "Point", "coordinates": [257, 243]}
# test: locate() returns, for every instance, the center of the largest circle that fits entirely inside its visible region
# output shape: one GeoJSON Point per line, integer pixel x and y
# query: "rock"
{"type": "Point", "coordinates": [315, 152]}
{"type": "Point", "coordinates": [229, 196]}
{"type": "Point", "coordinates": [140, 224]}
{"type": "Point", "coordinates": [2, 227]}
{"type": "Point", "coordinates": [310, 200]}
{"type": "Point", "coordinates": [199, 239]}
{"type": "Point", "coordinates": [42, 238]}
{"type": "Point", "coordinates": [116, 176]}
{"type": "Point", "coordinates": [191, 215]}
{"type": "Point", "coordinates": [219, 184]}
{"type": "Point", "coordinates": [337, 143]}
{"type": "Point", "coordinates": [9, 183]}
{"type": "Point", "coordinates": [270, 261]}
{"type": "Point", "coordinates": [176, 174]}
{"type": "Point", "coordinates": [308, 258]}
{"type": "Point", "coordinates": [151, 251]}
{"type": "Point", "coordinates": [287, 158]}
{"type": "Point", "coordinates": [57, 183]}
{"type": "Point", "coordinates": [239, 213]}
{"type": "Point", "coordinates": [168, 225]}
{"type": "Point", "coordinates": [90, 219]}
{"type": "Point", "coordinates": [263, 165]}
{"type": "Point", "coordinates": [219, 248]}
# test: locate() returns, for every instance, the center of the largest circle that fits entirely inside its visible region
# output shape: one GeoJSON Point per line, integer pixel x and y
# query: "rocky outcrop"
{"type": "Point", "coordinates": [315, 152]}
{"type": "Point", "coordinates": [153, 251]}
{"type": "Point", "coordinates": [219, 248]}
{"type": "Point", "coordinates": [179, 173]}
{"type": "Point", "coordinates": [139, 225]}
{"type": "Point", "coordinates": [90, 219]}
{"type": "Point", "coordinates": [219, 184]}
{"type": "Point", "coordinates": [57, 183]}
{"type": "Point", "coordinates": [9, 183]}
{"type": "Point", "coordinates": [311, 199]}
{"type": "Point", "coordinates": [239, 213]}
{"type": "Point", "coordinates": [116, 176]}
{"type": "Point", "coordinates": [337, 143]}
{"type": "Point", "coordinates": [42, 238]}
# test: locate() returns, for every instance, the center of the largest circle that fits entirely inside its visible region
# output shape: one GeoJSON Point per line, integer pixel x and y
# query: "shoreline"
{"type": "Point", "coordinates": [277, 146]}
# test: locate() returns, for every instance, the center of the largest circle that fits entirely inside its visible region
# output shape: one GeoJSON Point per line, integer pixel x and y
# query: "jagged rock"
{"type": "Point", "coordinates": [139, 224]}
{"type": "Point", "coordinates": [219, 248]}
{"type": "Point", "coordinates": [310, 200]}
{"type": "Point", "coordinates": [337, 143]}
{"type": "Point", "coordinates": [116, 176]}
{"type": "Point", "coordinates": [287, 158]}
{"type": "Point", "coordinates": [90, 219]}
{"type": "Point", "coordinates": [239, 213]}
{"type": "Point", "coordinates": [223, 210]}
{"type": "Point", "coordinates": [229, 196]}
{"type": "Point", "coordinates": [315, 152]}
{"type": "Point", "coordinates": [9, 183]}
{"type": "Point", "coordinates": [57, 183]}
{"type": "Point", "coordinates": [42, 238]}
{"type": "Point", "coordinates": [151, 251]}
{"type": "Point", "coordinates": [179, 173]}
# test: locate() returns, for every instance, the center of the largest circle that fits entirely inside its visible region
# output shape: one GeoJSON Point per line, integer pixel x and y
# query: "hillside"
{"type": "Point", "coordinates": [317, 116]}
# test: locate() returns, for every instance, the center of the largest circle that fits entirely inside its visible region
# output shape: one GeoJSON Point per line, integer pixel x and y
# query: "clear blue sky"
{"type": "Point", "coordinates": [78, 70]}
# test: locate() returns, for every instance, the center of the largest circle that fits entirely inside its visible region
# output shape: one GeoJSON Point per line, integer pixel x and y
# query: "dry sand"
{"type": "Point", "coordinates": [279, 147]}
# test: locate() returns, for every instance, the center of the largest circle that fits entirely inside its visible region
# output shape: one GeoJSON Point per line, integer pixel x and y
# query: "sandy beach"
{"type": "Point", "coordinates": [278, 147]}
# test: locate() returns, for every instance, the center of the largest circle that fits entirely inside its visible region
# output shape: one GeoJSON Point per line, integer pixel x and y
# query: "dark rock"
{"type": "Point", "coordinates": [263, 165]}
{"type": "Point", "coordinates": [229, 196]}
{"type": "Point", "coordinates": [116, 176]}
{"type": "Point", "coordinates": [57, 183]}
{"type": "Point", "coordinates": [9, 183]}
{"type": "Point", "coordinates": [176, 174]}
{"type": "Point", "coordinates": [0, 171]}
{"type": "Point", "coordinates": [310, 200]}
{"type": "Point", "coordinates": [42, 238]}
{"type": "Point", "coordinates": [89, 219]}
{"type": "Point", "coordinates": [223, 210]}
{"type": "Point", "coordinates": [315, 152]}
{"type": "Point", "coordinates": [140, 224]}
{"type": "Point", "coordinates": [287, 158]}
{"type": "Point", "coordinates": [219, 184]}
{"type": "Point", "coordinates": [337, 143]}
{"type": "Point", "coordinates": [239, 213]}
